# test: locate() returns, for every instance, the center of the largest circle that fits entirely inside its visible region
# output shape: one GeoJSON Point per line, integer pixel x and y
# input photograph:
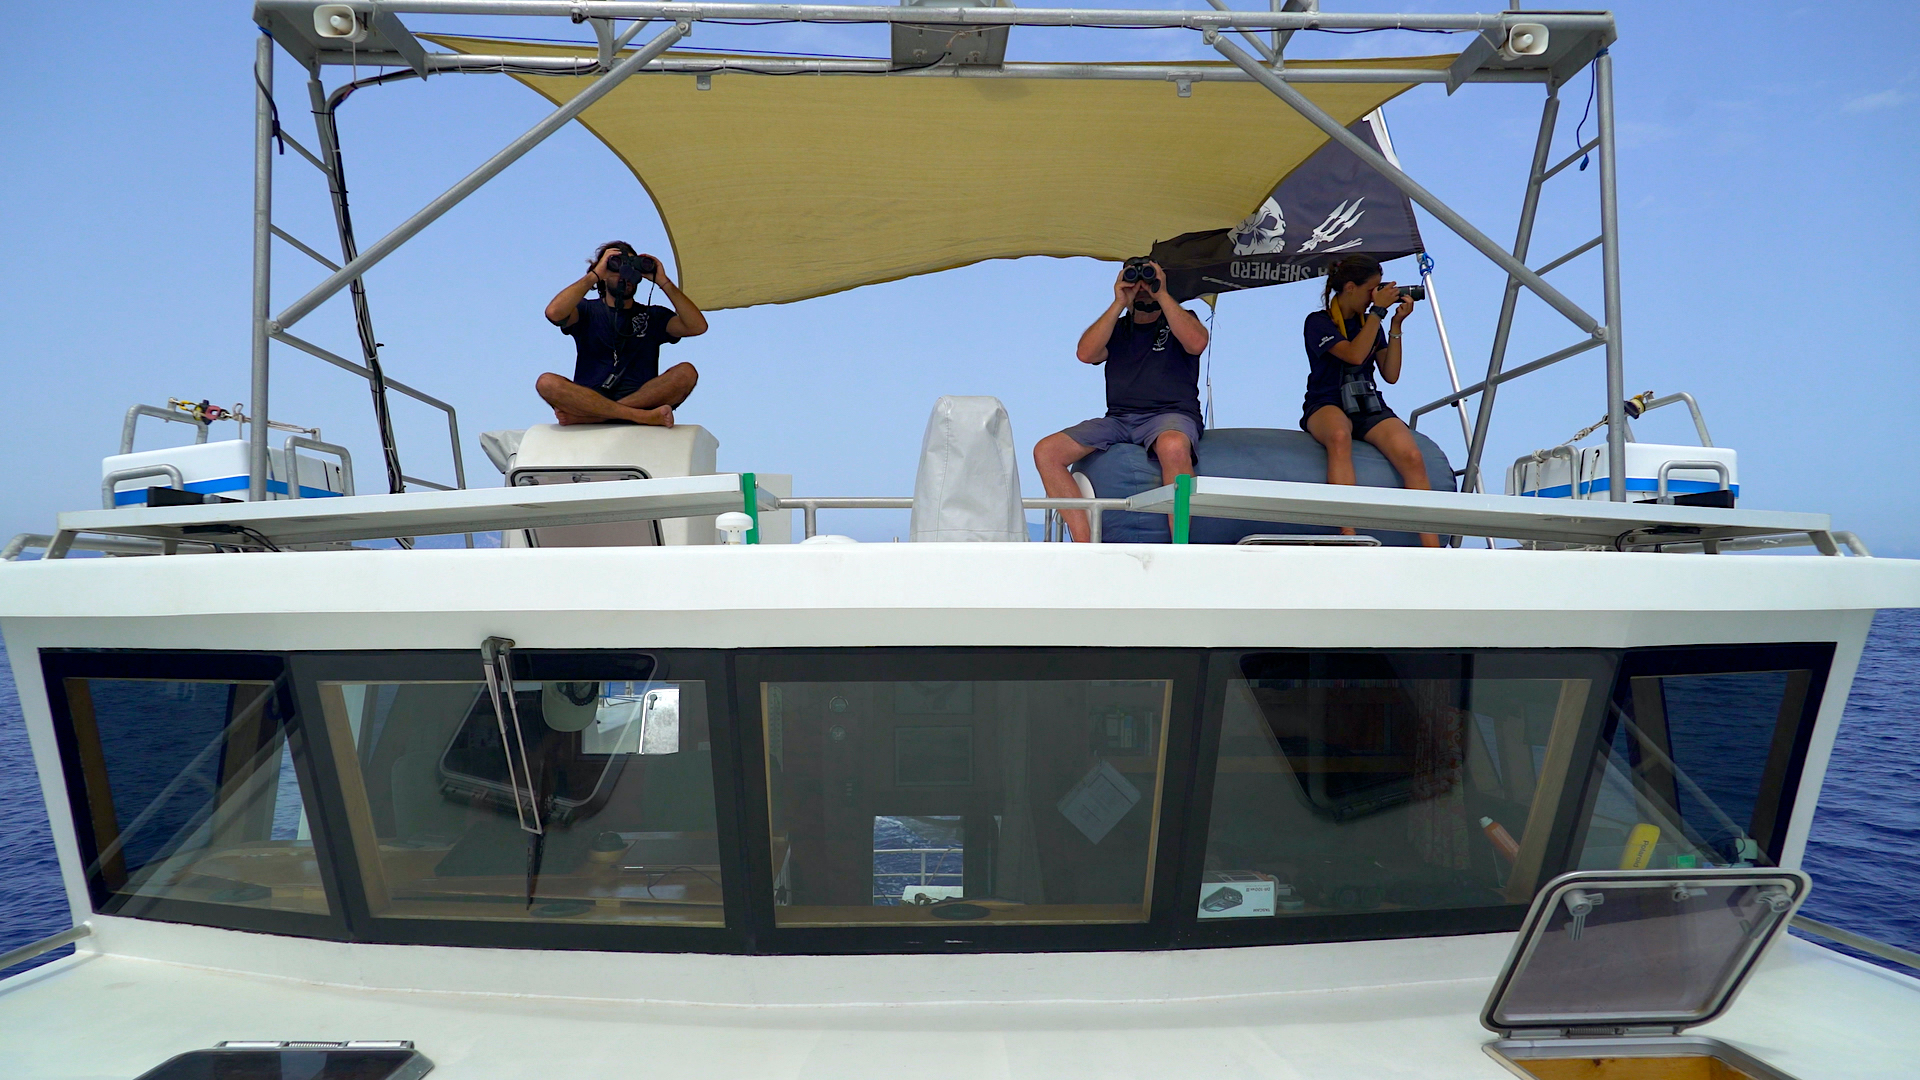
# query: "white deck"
{"type": "Point", "coordinates": [425, 513]}
{"type": "Point", "coordinates": [1354, 1011]}
{"type": "Point", "coordinates": [1561, 521]}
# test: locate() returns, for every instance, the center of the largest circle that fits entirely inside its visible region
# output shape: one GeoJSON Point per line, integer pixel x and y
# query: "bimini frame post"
{"type": "Point", "coordinates": [406, 230]}
{"type": "Point", "coordinates": [1522, 241]}
{"type": "Point", "coordinates": [1610, 282]}
{"type": "Point", "coordinates": [262, 263]}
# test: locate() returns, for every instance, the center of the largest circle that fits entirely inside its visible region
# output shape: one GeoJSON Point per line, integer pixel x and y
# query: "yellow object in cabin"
{"type": "Point", "coordinates": [1640, 847]}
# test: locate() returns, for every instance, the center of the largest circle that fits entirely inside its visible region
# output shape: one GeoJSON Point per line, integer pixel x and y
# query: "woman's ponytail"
{"type": "Point", "coordinates": [1351, 270]}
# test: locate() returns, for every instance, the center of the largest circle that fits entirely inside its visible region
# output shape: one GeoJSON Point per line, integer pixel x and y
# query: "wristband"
{"type": "Point", "coordinates": [1377, 311]}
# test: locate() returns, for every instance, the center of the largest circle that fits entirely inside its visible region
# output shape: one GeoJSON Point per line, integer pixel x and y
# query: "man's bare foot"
{"type": "Point", "coordinates": [660, 417]}
{"type": "Point", "coordinates": [563, 417]}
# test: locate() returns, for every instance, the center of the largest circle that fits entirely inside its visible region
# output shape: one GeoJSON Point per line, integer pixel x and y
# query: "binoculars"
{"type": "Point", "coordinates": [1140, 270]}
{"type": "Point", "coordinates": [632, 268]}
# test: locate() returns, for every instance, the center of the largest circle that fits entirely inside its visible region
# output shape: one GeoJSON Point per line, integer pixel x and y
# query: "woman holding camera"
{"type": "Point", "coordinates": [1346, 344]}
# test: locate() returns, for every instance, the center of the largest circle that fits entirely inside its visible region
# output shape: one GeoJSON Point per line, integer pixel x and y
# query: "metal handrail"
{"type": "Point", "coordinates": [810, 506]}
{"type": "Point", "coordinates": [1666, 469]}
{"type": "Point", "coordinates": [111, 545]}
{"type": "Point", "coordinates": [295, 442]}
{"type": "Point", "coordinates": [1699, 421]}
{"type": "Point", "coordinates": [118, 476]}
{"type": "Point", "coordinates": [44, 946]}
{"type": "Point", "coordinates": [1881, 949]}
{"type": "Point", "coordinates": [135, 413]}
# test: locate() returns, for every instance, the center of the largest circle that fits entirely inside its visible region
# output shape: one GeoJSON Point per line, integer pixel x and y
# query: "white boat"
{"type": "Point", "coordinates": [624, 796]}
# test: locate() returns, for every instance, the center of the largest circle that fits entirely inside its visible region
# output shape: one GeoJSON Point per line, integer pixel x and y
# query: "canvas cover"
{"type": "Point", "coordinates": [1333, 205]}
{"type": "Point", "coordinates": [968, 487]}
{"type": "Point", "coordinates": [778, 189]}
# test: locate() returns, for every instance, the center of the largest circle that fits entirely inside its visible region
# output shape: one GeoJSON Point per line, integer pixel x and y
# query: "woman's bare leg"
{"type": "Point", "coordinates": [1332, 430]}
{"type": "Point", "coordinates": [1393, 438]}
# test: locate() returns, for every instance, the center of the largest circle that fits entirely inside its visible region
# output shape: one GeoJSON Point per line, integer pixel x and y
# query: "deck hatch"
{"type": "Point", "coordinates": [1623, 949]}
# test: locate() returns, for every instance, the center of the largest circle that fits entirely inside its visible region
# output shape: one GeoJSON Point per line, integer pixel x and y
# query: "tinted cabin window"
{"type": "Point", "coordinates": [992, 801]}
{"type": "Point", "coordinates": [1373, 782]}
{"type": "Point", "coordinates": [1692, 767]}
{"type": "Point", "coordinates": [614, 821]}
{"type": "Point", "coordinates": [191, 795]}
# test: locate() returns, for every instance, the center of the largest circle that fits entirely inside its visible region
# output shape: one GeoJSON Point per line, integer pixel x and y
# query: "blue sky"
{"type": "Point", "coordinates": [1768, 205]}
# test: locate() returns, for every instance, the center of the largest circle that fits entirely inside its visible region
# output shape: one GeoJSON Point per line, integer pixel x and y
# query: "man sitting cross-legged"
{"type": "Point", "coordinates": [616, 371]}
{"type": "Point", "coordinates": [1151, 347]}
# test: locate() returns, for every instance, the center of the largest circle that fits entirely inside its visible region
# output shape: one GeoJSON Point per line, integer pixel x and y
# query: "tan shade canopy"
{"type": "Point", "coordinates": [776, 189]}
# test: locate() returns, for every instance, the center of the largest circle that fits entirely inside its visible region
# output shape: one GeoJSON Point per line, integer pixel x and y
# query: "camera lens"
{"type": "Point", "coordinates": [1414, 292]}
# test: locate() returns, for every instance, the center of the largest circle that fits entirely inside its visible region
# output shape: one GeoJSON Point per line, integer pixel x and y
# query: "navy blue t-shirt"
{"type": "Point", "coordinates": [1148, 370]}
{"type": "Point", "coordinates": [1328, 371]}
{"type": "Point", "coordinates": [617, 350]}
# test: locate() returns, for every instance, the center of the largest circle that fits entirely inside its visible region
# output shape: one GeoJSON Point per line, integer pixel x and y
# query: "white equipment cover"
{"type": "Point", "coordinates": [969, 482]}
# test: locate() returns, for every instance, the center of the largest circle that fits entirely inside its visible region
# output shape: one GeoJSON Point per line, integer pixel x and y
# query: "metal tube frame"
{"type": "Point", "coordinates": [1503, 329]}
{"type": "Point", "coordinates": [295, 442]}
{"type": "Point", "coordinates": [328, 132]}
{"type": "Point", "coordinates": [112, 481]}
{"type": "Point", "coordinates": [1286, 17]}
{"type": "Point", "coordinates": [1408, 186]}
{"type": "Point", "coordinates": [262, 264]}
{"type": "Point", "coordinates": [473, 181]}
{"type": "Point", "coordinates": [136, 412]}
{"type": "Point", "coordinates": [1610, 282]}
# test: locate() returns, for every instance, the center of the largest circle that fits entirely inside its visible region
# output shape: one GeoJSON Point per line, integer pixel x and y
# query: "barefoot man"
{"type": "Point", "coordinates": [1151, 347]}
{"type": "Point", "coordinates": [616, 370]}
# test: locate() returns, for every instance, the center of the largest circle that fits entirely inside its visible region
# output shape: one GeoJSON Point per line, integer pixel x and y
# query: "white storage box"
{"type": "Point", "coordinates": [1583, 474]}
{"type": "Point", "coordinates": [582, 453]}
{"type": "Point", "coordinates": [220, 468]}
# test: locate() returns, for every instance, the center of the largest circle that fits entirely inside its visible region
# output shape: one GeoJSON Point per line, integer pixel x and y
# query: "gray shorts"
{"type": "Point", "coordinates": [1140, 428]}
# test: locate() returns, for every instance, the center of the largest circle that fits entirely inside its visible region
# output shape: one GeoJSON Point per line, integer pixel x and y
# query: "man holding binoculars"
{"type": "Point", "coordinates": [616, 371]}
{"type": "Point", "coordinates": [1151, 347]}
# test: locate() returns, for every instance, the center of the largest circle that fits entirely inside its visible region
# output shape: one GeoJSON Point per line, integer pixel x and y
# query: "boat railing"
{"type": "Point", "coordinates": [922, 876]}
{"type": "Point", "coordinates": [1872, 947]}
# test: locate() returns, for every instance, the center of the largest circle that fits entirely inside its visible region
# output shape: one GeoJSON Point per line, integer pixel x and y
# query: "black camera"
{"type": "Point", "coordinates": [1414, 292]}
{"type": "Point", "coordinates": [1140, 270]}
{"type": "Point", "coordinates": [633, 269]}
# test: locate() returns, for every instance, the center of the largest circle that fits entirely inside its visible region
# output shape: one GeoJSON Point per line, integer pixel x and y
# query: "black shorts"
{"type": "Point", "coordinates": [1361, 424]}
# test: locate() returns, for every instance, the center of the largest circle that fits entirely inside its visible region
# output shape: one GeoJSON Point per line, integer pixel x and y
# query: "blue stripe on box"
{"type": "Point", "coordinates": [138, 496]}
{"type": "Point", "coordinates": [1634, 483]}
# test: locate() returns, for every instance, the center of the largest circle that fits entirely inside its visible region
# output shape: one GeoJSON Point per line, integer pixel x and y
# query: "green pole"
{"type": "Point", "coordinates": [750, 491]}
{"type": "Point", "coordinates": [1182, 506]}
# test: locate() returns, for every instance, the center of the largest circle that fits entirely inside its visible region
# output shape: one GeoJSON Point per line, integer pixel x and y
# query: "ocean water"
{"type": "Point", "coordinates": [1864, 854]}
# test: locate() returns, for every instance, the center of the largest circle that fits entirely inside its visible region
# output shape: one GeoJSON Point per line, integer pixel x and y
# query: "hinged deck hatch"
{"type": "Point", "coordinates": [1623, 951]}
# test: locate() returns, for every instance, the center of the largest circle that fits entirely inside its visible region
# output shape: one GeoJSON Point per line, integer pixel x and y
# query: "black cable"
{"type": "Point", "coordinates": [1578, 140]}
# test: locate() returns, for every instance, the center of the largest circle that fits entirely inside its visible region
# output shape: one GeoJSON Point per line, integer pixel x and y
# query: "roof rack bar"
{"type": "Point", "coordinates": [1556, 22]}
{"type": "Point", "coordinates": [513, 151]}
{"type": "Point", "coordinates": [1407, 184]}
{"type": "Point", "coordinates": [1509, 301]}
